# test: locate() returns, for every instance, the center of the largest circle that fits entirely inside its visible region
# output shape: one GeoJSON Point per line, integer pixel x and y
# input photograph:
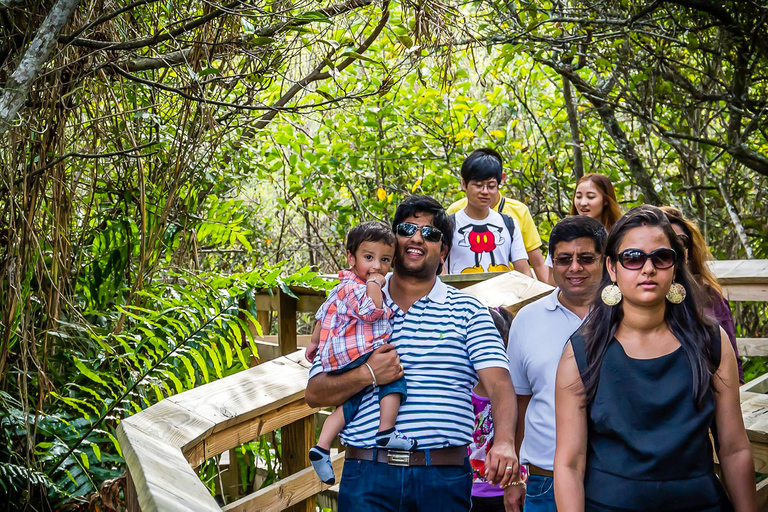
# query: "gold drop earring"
{"type": "Point", "coordinates": [611, 295]}
{"type": "Point", "coordinates": [676, 293]}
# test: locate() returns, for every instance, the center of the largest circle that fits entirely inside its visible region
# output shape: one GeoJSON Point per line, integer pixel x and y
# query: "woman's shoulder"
{"type": "Point", "coordinates": [579, 351]}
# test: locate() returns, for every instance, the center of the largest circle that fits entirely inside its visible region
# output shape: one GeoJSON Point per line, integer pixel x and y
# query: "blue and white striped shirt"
{"type": "Point", "coordinates": [443, 339]}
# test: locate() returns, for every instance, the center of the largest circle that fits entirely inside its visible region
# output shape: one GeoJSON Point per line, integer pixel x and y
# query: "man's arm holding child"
{"type": "Point", "coordinates": [325, 390]}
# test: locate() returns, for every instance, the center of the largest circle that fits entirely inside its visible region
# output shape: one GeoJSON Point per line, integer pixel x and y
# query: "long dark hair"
{"type": "Point", "coordinates": [686, 320]}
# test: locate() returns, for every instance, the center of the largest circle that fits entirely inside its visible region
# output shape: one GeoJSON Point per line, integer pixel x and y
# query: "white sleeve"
{"type": "Point", "coordinates": [518, 246]}
{"type": "Point", "coordinates": [548, 261]}
{"type": "Point", "coordinates": [516, 363]}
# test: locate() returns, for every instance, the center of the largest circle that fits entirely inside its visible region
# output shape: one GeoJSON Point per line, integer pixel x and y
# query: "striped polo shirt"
{"type": "Point", "coordinates": [443, 339]}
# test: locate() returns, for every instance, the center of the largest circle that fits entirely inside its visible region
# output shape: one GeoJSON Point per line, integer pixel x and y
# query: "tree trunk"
{"type": "Point", "coordinates": [17, 88]}
{"type": "Point", "coordinates": [573, 122]}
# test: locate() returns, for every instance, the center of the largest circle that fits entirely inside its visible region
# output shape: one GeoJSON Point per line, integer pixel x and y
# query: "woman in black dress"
{"type": "Point", "coordinates": [640, 383]}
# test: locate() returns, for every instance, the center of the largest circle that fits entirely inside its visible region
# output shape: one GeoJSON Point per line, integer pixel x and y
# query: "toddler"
{"type": "Point", "coordinates": [353, 322]}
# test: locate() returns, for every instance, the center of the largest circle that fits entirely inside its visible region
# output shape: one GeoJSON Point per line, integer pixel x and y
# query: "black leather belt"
{"type": "Point", "coordinates": [453, 456]}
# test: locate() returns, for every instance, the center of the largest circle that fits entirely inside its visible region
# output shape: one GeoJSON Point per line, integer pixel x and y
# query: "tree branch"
{"type": "Point", "coordinates": [316, 74]}
{"type": "Point", "coordinates": [103, 19]}
{"type": "Point", "coordinates": [181, 56]}
{"type": "Point", "coordinates": [157, 38]}
{"type": "Point", "coordinates": [89, 156]}
{"type": "Point", "coordinates": [17, 88]}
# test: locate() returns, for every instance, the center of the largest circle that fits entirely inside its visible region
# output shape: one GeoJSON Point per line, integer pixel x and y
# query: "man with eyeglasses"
{"type": "Point", "coordinates": [537, 337]}
{"type": "Point", "coordinates": [513, 208]}
{"type": "Point", "coordinates": [443, 341]}
{"type": "Point", "coordinates": [484, 239]}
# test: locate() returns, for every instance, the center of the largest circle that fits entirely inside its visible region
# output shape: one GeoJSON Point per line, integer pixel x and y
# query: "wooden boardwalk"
{"type": "Point", "coordinates": [164, 443]}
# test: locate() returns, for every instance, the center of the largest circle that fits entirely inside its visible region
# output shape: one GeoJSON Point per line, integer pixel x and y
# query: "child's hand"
{"type": "Point", "coordinates": [380, 279]}
{"type": "Point", "coordinates": [311, 351]}
{"type": "Point", "coordinates": [314, 342]}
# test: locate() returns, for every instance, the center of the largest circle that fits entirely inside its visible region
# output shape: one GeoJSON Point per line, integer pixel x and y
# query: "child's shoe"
{"type": "Point", "coordinates": [321, 463]}
{"type": "Point", "coordinates": [394, 440]}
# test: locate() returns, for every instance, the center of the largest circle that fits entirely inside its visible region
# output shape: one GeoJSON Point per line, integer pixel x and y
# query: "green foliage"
{"type": "Point", "coordinates": [141, 210]}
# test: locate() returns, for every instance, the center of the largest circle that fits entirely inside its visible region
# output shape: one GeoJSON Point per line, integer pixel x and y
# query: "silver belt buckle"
{"type": "Point", "coordinates": [398, 458]}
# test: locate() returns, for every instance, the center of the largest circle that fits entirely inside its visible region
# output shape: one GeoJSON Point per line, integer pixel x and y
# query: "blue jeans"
{"type": "Point", "coordinates": [375, 486]}
{"type": "Point", "coordinates": [540, 494]}
{"type": "Point", "coordinates": [351, 406]}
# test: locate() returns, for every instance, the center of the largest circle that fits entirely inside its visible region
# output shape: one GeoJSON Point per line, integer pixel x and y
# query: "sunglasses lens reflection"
{"type": "Point", "coordinates": [428, 233]}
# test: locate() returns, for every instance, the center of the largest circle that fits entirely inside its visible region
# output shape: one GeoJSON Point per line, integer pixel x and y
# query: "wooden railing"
{"type": "Point", "coordinates": [163, 444]}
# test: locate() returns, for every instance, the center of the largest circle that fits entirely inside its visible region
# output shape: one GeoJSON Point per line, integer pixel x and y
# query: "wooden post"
{"type": "Point", "coordinates": [286, 324]}
{"type": "Point", "coordinates": [297, 438]}
{"type": "Point", "coordinates": [230, 478]}
{"type": "Point", "coordinates": [131, 498]}
{"type": "Point", "coordinates": [263, 318]}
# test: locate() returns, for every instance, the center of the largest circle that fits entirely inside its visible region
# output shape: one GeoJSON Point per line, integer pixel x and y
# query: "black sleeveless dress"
{"type": "Point", "coordinates": [648, 447]}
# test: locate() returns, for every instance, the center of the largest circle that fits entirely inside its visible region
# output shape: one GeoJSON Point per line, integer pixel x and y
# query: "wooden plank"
{"type": "Point", "coordinates": [172, 423]}
{"type": "Point", "coordinates": [131, 499]}
{"type": "Point", "coordinates": [754, 408]}
{"type": "Point", "coordinates": [302, 340]}
{"type": "Point", "coordinates": [269, 349]}
{"type": "Point", "coordinates": [247, 394]}
{"type": "Point", "coordinates": [163, 479]}
{"type": "Point", "coordinates": [464, 280]}
{"type": "Point", "coordinates": [286, 323]}
{"type": "Point", "coordinates": [230, 477]}
{"type": "Point", "coordinates": [285, 492]}
{"type": "Point", "coordinates": [760, 457]}
{"type": "Point", "coordinates": [762, 495]}
{"type": "Point", "coordinates": [265, 302]}
{"type": "Point", "coordinates": [740, 271]}
{"type": "Point", "coordinates": [746, 292]}
{"type": "Point", "coordinates": [752, 347]}
{"type": "Point", "coordinates": [297, 439]}
{"type": "Point", "coordinates": [310, 303]}
{"type": "Point", "coordinates": [758, 385]}
{"type": "Point", "coordinates": [263, 318]}
{"type": "Point", "coordinates": [236, 435]}
{"type": "Point", "coordinates": [510, 290]}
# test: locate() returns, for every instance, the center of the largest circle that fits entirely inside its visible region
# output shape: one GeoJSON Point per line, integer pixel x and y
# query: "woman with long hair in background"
{"type": "Point", "coordinates": [594, 197]}
{"type": "Point", "coordinates": [697, 255]}
{"type": "Point", "coordinates": [640, 383]}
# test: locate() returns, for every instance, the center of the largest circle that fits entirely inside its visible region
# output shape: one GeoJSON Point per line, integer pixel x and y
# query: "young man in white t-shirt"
{"type": "Point", "coordinates": [482, 241]}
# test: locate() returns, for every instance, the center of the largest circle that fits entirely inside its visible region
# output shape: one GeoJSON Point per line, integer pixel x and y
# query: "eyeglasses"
{"type": "Point", "coordinates": [634, 259]}
{"type": "Point", "coordinates": [428, 233]}
{"type": "Point", "coordinates": [480, 185]}
{"type": "Point", "coordinates": [583, 260]}
{"type": "Point", "coordinates": [685, 240]}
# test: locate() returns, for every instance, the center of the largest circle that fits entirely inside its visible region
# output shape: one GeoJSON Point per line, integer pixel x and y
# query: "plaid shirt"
{"type": "Point", "coordinates": [351, 326]}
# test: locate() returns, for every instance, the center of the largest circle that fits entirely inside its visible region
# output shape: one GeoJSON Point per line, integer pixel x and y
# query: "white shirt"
{"type": "Point", "coordinates": [537, 338]}
{"type": "Point", "coordinates": [484, 245]}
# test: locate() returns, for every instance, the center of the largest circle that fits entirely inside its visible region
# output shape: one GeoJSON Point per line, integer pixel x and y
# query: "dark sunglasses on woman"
{"type": "Point", "coordinates": [634, 259]}
{"type": "Point", "coordinates": [428, 233]}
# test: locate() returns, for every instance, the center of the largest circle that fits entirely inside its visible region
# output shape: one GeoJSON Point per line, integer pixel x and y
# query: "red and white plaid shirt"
{"type": "Point", "coordinates": [351, 325]}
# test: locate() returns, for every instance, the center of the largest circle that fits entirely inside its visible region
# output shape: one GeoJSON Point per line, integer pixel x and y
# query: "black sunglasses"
{"type": "Point", "coordinates": [634, 259]}
{"type": "Point", "coordinates": [428, 233]}
{"type": "Point", "coordinates": [583, 259]}
{"type": "Point", "coordinates": [685, 240]}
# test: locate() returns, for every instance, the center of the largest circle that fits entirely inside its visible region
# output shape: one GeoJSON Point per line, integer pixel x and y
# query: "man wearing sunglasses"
{"type": "Point", "coordinates": [442, 340]}
{"type": "Point", "coordinates": [537, 337]}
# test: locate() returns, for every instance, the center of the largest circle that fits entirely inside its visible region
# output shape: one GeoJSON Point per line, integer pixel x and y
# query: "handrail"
{"type": "Point", "coordinates": [164, 443]}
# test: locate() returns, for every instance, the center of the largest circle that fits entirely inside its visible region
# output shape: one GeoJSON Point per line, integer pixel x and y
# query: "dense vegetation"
{"type": "Point", "coordinates": [170, 158]}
